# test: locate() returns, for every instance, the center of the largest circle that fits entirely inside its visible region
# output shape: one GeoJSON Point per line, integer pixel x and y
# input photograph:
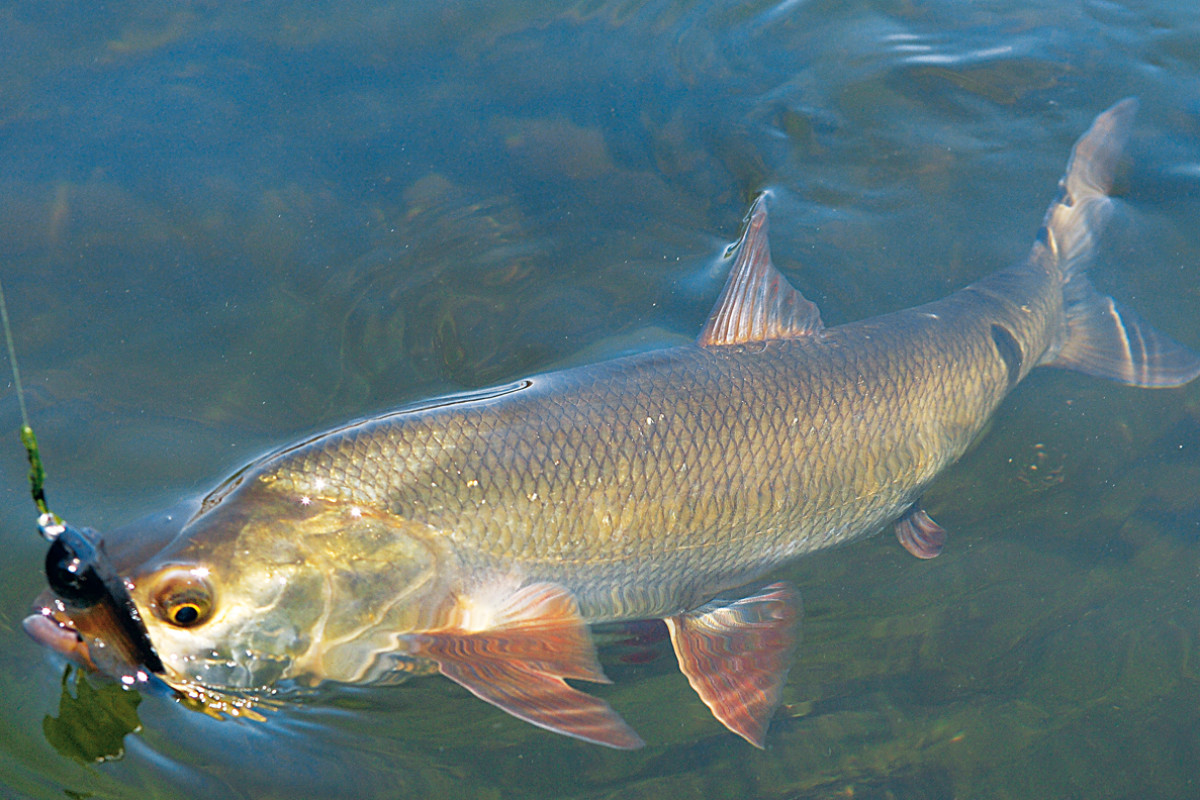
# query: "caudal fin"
{"type": "Point", "coordinates": [1108, 341]}
{"type": "Point", "coordinates": [1101, 338]}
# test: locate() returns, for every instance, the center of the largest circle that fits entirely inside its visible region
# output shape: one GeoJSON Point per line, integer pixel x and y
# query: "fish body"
{"type": "Point", "coordinates": [647, 484]}
{"type": "Point", "coordinates": [479, 534]}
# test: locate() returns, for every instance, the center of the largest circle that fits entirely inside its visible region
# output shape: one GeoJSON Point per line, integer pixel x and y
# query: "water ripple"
{"type": "Point", "coordinates": [924, 50]}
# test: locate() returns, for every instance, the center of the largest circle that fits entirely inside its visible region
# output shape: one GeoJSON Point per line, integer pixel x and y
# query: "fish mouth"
{"type": "Point", "coordinates": [50, 627]}
{"type": "Point", "coordinates": [94, 637]}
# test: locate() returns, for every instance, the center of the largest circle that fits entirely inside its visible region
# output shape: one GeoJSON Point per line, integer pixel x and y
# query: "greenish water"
{"type": "Point", "coordinates": [224, 228]}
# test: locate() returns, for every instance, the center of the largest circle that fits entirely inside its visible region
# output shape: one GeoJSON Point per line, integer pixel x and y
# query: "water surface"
{"type": "Point", "coordinates": [225, 228]}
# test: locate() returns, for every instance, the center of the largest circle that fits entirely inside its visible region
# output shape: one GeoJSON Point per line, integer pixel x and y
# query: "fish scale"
{"type": "Point", "coordinates": [788, 447]}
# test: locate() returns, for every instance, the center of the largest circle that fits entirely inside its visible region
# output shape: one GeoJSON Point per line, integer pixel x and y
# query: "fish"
{"type": "Point", "coordinates": [479, 535]}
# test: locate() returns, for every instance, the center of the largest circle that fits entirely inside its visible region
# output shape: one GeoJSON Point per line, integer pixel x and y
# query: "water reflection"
{"type": "Point", "coordinates": [92, 721]}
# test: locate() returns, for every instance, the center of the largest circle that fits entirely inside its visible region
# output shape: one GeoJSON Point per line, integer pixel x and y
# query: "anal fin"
{"type": "Point", "coordinates": [519, 664]}
{"type": "Point", "coordinates": [919, 534]}
{"type": "Point", "coordinates": [736, 656]}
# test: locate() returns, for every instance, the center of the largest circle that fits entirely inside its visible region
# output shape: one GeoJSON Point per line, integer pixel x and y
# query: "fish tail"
{"type": "Point", "coordinates": [1099, 337]}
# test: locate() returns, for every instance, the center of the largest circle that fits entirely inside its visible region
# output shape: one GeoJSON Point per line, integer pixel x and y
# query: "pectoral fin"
{"type": "Point", "coordinates": [518, 663]}
{"type": "Point", "coordinates": [919, 534]}
{"type": "Point", "coordinates": [736, 656]}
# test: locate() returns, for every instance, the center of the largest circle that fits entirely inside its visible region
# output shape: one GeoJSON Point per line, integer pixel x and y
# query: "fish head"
{"type": "Point", "coordinates": [263, 586]}
{"type": "Point", "coordinates": [258, 587]}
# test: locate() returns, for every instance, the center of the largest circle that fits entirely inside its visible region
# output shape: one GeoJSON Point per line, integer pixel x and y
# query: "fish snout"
{"type": "Point", "coordinates": [50, 627]}
{"type": "Point", "coordinates": [94, 637]}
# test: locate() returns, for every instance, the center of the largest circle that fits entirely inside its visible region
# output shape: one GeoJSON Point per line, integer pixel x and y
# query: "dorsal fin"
{"type": "Point", "coordinates": [758, 303]}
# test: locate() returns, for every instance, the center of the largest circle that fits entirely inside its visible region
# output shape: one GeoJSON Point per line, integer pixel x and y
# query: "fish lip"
{"type": "Point", "coordinates": [89, 637]}
{"type": "Point", "coordinates": [50, 626]}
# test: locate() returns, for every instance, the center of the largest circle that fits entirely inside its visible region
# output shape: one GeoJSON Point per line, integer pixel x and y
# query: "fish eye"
{"type": "Point", "coordinates": [184, 599]}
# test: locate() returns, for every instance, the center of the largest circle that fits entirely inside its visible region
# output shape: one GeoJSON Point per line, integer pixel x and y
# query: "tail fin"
{"type": "Point", "coordinates": [1102, 339]}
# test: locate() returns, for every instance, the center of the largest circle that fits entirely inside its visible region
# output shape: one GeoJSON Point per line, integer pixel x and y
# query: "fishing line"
{"type": "Point", "coordinates": [12, 358]}
{"type": "Point", "coordinates": [37, 475]}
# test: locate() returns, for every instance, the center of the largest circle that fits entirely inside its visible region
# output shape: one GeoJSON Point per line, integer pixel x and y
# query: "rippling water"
{"type": "Point", "coordinates": [227, 226]}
